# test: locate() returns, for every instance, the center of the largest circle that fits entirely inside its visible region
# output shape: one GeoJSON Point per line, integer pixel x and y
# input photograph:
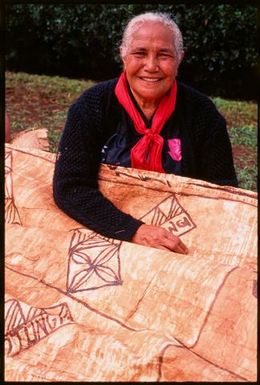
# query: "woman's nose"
{"type": "Point", "coordinates": [151, 63]}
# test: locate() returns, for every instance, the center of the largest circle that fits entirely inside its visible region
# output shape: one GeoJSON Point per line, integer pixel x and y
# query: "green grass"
{"type": "Point", "coordinates": [241, 120]}
{"type": "Point", "coordinates": [237, 113]}
{"type": "Point", "coordinates": [48, 86]}
{"type": "Point", "coordinates": [248, 177]}
{"type": "Point", "coordinates": [245, 135]}
{"type": "Point", "coordinates": [36, 101]}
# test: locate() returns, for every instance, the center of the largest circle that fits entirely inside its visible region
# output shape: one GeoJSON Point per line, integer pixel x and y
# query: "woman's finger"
{"type": "Point", "coordinates": [176, 244]}
{"type": "Point", "coordinates": [160, 238]}
{"type": "Point", "coordinates": [181, 248]}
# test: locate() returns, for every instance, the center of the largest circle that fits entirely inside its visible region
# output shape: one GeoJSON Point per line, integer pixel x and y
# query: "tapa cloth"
{"type": "Point", "coordinates": [82, 307]}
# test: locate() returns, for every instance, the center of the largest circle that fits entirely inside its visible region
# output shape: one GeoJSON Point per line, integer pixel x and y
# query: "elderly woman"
{"type": "Point", "coordinates": [145, 119]}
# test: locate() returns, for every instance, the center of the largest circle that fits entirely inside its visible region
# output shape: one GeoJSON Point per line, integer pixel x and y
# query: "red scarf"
{"type": "Point", "coordinates": [147, 153]}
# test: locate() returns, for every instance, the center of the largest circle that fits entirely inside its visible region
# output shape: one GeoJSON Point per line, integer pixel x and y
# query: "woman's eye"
{"type": "Point", "coordinates": [139, 54]}
{"type": "Point", "coordinates": [164, 55]}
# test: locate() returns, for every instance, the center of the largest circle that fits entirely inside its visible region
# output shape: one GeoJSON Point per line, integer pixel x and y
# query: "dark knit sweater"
{"type": "Point", "coordinates": [94, 118]}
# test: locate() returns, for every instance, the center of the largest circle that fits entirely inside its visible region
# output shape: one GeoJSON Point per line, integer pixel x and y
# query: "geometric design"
{"type": "Point", "coordinates": [170, 215]}
{"type": "Point", "coordinates": [11, 212]}
{"type": "Point", "coordinates": [93, 262]}
{"type": "Point", "coordinates": [26, 325]}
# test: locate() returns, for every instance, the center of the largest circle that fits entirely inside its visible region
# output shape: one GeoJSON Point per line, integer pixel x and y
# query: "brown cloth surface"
{"type": "Point", "coordinates": [81, 307]}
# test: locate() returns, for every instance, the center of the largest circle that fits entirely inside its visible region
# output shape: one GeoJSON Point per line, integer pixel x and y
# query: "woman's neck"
{"type": "Point", "coordinates": [148, 111]}
{"type": "Point", "coordinates": [147, 106]}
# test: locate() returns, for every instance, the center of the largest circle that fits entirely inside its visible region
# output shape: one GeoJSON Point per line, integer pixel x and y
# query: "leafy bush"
{"type": "Point", "coordinates": [81, 40]}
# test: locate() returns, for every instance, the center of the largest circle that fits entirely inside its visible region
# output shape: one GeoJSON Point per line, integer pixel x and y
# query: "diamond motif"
{"type": "Point", "coordinates": [170, 215]}
{"type": "Point", "coordinates": [93, 262]}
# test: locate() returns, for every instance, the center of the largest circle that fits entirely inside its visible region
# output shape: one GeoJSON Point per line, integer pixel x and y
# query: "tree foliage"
{"type": "Point", "coordinates": [81, 41]}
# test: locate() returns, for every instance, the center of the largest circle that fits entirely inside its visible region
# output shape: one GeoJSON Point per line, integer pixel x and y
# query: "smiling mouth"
{"type": "Point", "coordinates": [150, 80]}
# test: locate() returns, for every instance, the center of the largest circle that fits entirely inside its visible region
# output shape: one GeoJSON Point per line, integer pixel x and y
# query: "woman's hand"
{"type": "Point", "coordinates": [154, 236]}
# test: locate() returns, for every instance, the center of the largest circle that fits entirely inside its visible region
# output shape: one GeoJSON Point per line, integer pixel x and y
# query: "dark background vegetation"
{"type": "Point", "coordinates": [81, 41]}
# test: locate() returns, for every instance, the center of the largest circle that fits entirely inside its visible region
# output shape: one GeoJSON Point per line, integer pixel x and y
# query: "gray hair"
{"type": "Point", "coordinates": [160, 17]}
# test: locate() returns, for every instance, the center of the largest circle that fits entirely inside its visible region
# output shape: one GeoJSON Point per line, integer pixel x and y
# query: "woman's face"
{"type": "Point", "coordinates": [151, 62]}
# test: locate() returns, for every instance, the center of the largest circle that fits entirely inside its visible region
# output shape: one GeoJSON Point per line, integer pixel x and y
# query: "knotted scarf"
{"type": "Point", "coordinates": [147, 152]}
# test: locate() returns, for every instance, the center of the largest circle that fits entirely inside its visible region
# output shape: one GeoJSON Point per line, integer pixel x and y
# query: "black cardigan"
{"type": "Point", "coordinates": [93, 118]}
